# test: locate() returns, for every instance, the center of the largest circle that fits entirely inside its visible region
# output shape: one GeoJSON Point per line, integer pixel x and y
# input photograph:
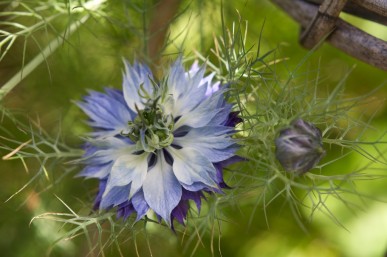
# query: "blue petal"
{"type": "Point", "coordinates": [106, 112]}
{"type": "Point", "coordinates": [211, 88]}
{"type": "Point", "coordinates": [202, 114]}
{"type": "Point", "coordinates": [205, 81]}
{"type": "Point", "coordinates": [110, 143]}
{"type": "Point", "coordinates": [184, 88]}
{"type": "Point", "coordinates": [195, 196]}
{"type": "Point", "coordinates": [194, 69]}
{"type": "Point", "coordinates": [139, 204]}
{"type": "Point", "coordinates": [96, 171]}
{"type": "Point", "coordinates": [162, 190]}
{"type": "Point", "coordinates": [207, 134]}
{"type": "Point", "coordinates": [211, 141]}
{"type": "Point", "coordinates": [136, 77]}
{"type": "Point", "coordinates": [114, 197]}
{"type": "Point", "coordinates": [189, 100]}
{"type": "Point", "coordinates": [125, 209]}
{"type": "Point", "coordinates": [221, 117]}
{"type": "Point", "coordinates": [118, 95]}
{"type": "Point", "coordinates": [218, 155]}
{"type": "Point", "coordinates": [111, 149]}
{"type": "Point", "coordinates": [97, 201]}
{"type": "Point", "coordinates": [195, 187]}
{"type": "Point", "coordinates": [176, 83]}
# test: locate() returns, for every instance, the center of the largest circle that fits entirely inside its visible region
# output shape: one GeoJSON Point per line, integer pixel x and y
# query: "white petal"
{"type": "Point", "coordinates": [128, 168]}
{"type": "Point", "coordinates": [211, 141]}
{"type": "Point", "coordinates": [190, 166]}
{"type": "Point", "coordinates": [110, 154]}
{"type": "Point", "coordinates": [203, 113]}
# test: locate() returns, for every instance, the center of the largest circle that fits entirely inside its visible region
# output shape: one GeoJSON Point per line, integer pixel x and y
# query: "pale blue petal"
{"type": "Point", "coordinates": [203, 113]}
{"type": "Point", "coordinates": [218, 155]}
{"type": "Point", "coordinates": [221, 117]}
{"type": "Point", "coordinates": [193, 83]}
{"type": "Point", "coordinates": [139, 204]}
{"type": "Point", "coordinates": [110, 142]}
{"type": "Point", "coordinates": [114, 103]}
{"type": "Point", "coordinates": [190, 166]}
{"type": "Point", "coordinates": [107, 154]}
{"type": "Point", "coordinates": [194, 69]}
{"type": "Point", "coordinates": [207, 83]}
{"type": "Point", "coordinates": [114, 197]}
{"type": "Point", "coordinates": [197, 186]}
{"type": "Point", "coordinates": [211, 141]}
{"type": "Point", "coordinates": [105, 111]}
{"type": "Point", "coordinates": [162, 190]}
{"type": "Point", "coordinates": [189, 101]}
{"type": "Point", "coordinates": [184, 89]}
{"type": "Point", "coordinates": [211, 89]}
{"type": "Point", "coordinates": [177, 82]}
{"type": "Point", "coordinates": [96, 171]}
{"type": "Point", "coordinates": [136, 77]}
{"type": "Point", "coordinates": [107, 133]}
{"type": "Point", "coordinates": [108, 123]}
{"type": "Point", "coordinates": [190, 92]}
{"type": "Point", "coordinates": [192, 97]}
{"type": "Point", "coordinates": [199, 138]}
{"type": "Point", "coordinates": [118, 95]}
{"type": "Point", "coordinates": [199, 117]}
{"type": "Point", "coordinates": [205, 133]}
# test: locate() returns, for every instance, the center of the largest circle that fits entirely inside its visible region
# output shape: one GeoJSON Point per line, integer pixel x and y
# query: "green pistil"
{"type": "Point", "coordinates": [151, 129]}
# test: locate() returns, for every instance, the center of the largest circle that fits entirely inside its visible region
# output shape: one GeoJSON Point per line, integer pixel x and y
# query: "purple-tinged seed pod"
{"type": "Point", "coordinates": [299, 147]}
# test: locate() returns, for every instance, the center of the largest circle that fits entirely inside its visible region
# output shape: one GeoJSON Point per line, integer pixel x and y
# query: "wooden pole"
{"type": "Point", "coordinates": [323, 23]}
{"type": "Point", "coordinates": [373, 10]}
{"type": "Point", "coordinates": [345, 37]}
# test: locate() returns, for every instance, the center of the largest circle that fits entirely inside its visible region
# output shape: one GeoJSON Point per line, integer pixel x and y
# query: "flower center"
{"type": "Point", "coordinates": [151, 129]}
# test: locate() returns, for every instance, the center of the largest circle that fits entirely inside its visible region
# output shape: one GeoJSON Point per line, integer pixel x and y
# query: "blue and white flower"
{"type": "Point", "coordinates": [157, 145]}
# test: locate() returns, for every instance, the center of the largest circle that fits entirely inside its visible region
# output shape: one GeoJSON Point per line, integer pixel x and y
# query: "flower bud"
{"type": "Point", "coordinates": [299, 148]}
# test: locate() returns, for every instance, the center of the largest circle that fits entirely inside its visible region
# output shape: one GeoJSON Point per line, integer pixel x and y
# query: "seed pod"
{"type": "Point", "coordinates": [299, 147]}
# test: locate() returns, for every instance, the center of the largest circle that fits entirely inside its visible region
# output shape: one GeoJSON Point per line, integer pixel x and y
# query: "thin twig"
{"type": "Point", "coordinates": [17, 149]}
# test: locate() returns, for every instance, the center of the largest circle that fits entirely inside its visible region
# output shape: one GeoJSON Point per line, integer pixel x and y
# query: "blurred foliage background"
{"type": "Point", "coordinates": [91, 58]}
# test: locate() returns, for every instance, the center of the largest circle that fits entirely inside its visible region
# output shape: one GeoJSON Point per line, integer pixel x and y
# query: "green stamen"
{"type": "Point", "coordinates": [151, 129]}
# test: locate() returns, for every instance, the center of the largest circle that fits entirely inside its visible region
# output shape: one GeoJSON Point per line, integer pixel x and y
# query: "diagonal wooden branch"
{"type": "Point", "coordinates": [345, 37]}
{"type": "Point", "coordinates": [368, 9]}
{"type": "Point", "coordinates": [323, 23]}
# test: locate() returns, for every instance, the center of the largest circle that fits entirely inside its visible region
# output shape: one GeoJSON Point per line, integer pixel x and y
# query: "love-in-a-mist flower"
{"type": "Point", "coordinates": [157, 145]}
{"type": "Point", "coordinates": [299, 147]}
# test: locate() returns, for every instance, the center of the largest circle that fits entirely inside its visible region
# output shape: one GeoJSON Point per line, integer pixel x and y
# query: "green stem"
{"type": "Point", "coordinates": [50, 49]}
